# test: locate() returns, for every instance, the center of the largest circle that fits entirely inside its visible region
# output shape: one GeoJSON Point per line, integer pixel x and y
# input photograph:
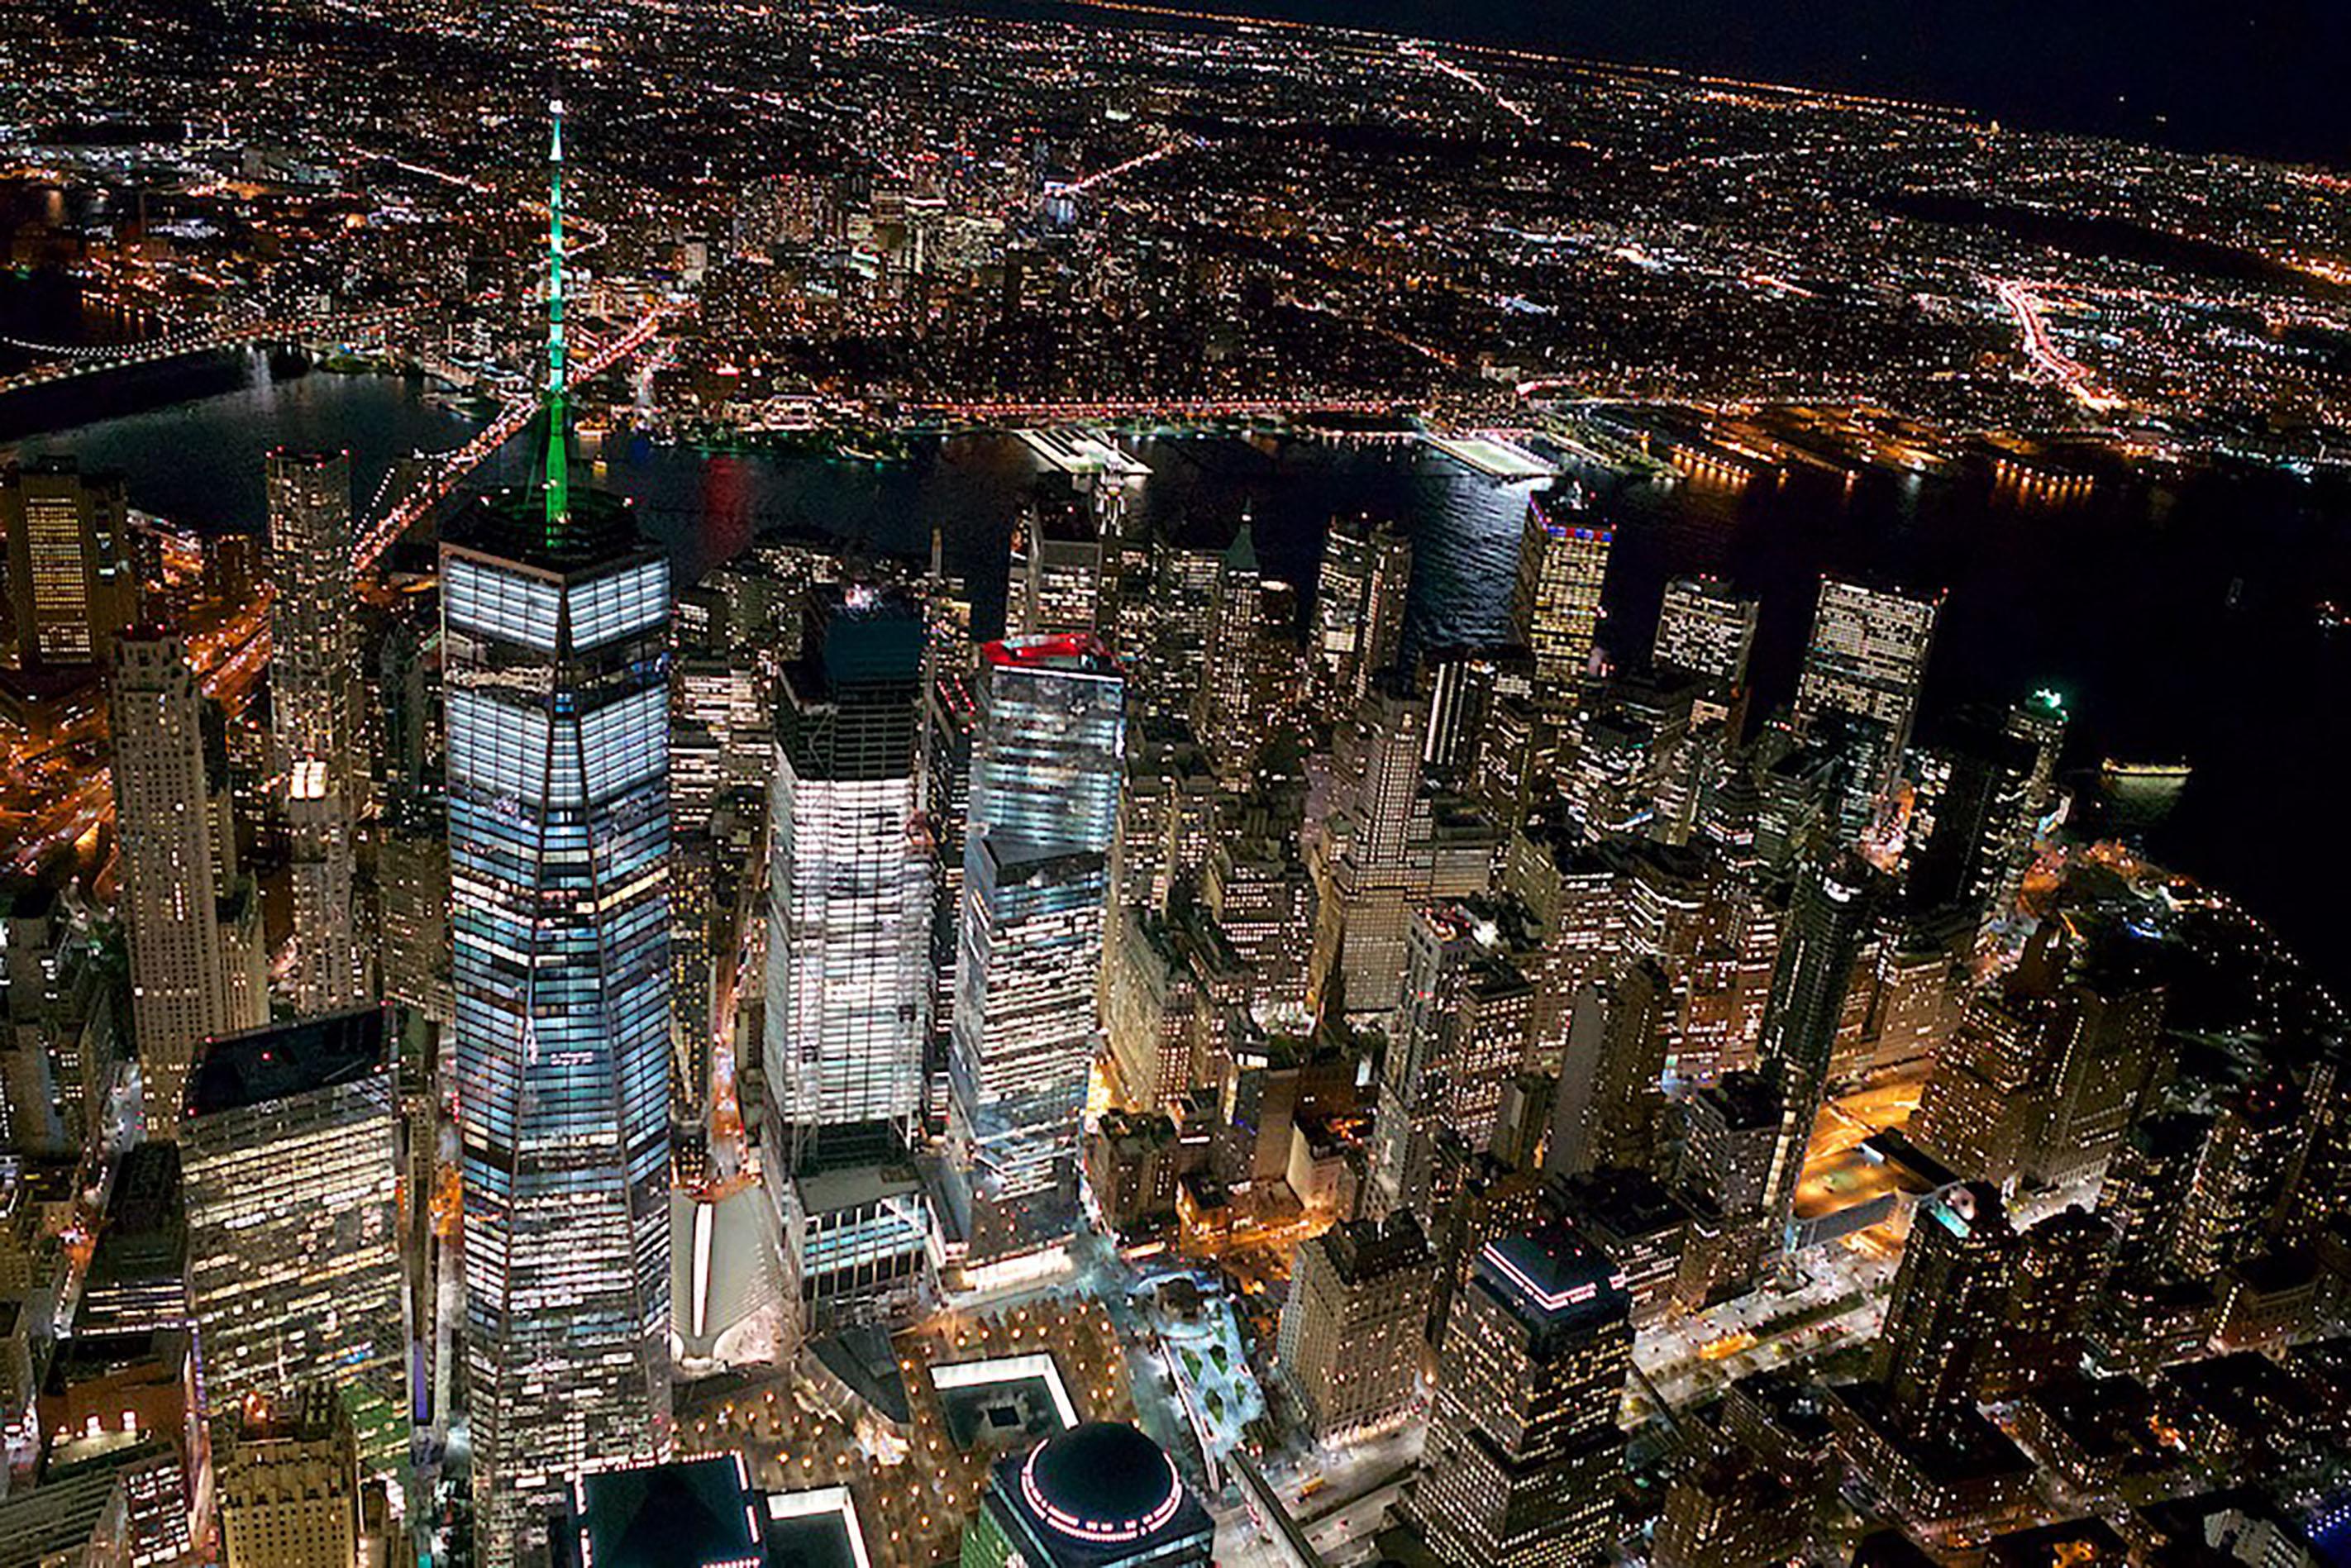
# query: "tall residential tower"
{"type": "Point", "coordinates": [314, 651]}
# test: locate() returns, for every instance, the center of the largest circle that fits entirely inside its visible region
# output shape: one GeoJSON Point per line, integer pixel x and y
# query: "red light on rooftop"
{"type": "Point", "coordinates": [1031, 652]}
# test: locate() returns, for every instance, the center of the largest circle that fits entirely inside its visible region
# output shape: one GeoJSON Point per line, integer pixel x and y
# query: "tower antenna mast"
{"type": "Point", "coordinates": [558, 456]}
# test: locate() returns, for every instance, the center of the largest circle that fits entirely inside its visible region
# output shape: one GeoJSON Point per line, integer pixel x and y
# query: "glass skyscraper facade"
{"type": "Point", "coordinates": [556, 685]}
{"type": "Point", "coordinates": [849, 863]}
{"type": "Point", "coordinates": [849, 892]}
{"type": "Point", "coordinates": [1046, 765]}
{"type": "Point", "coordinates": [1834, 908]}
{"type": "Point", "coordinates": [556, 656]}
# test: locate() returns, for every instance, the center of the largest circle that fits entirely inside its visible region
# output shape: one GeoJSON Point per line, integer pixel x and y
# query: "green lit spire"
{"type": "Point", "coordinates": [558, 456]}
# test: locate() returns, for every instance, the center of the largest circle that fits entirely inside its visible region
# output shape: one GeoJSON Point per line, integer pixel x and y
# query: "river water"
{"type": "Point", "coordinates": [2179, 620]}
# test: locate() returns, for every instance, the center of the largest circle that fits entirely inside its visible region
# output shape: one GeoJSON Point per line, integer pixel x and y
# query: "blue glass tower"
{"type": "Point", "coordinates": [555, 617]}
{"type": "Point", "coordinates": [1045, 773]}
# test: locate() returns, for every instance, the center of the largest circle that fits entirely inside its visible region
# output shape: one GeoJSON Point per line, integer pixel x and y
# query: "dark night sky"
{"type": "Point", "coordinates": [2272, 78]}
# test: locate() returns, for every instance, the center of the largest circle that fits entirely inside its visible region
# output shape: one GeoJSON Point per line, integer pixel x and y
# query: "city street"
{"type": "Point", "coordinates": [1337, 1498]}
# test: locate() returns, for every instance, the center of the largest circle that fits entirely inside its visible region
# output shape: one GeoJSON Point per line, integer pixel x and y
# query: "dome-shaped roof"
{"type": "Point", "coordinates": [1102, 1482]}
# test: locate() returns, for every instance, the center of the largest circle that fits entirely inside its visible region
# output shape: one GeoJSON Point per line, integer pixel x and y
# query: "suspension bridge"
{"type": "Point", "coordinates": [64, 361]}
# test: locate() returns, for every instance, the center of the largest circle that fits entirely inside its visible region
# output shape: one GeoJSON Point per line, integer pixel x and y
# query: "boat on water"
{"type": "Point", "coordinates": [2146, 775]}
{"type": "Point", "coordinates": [2141, 794]}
